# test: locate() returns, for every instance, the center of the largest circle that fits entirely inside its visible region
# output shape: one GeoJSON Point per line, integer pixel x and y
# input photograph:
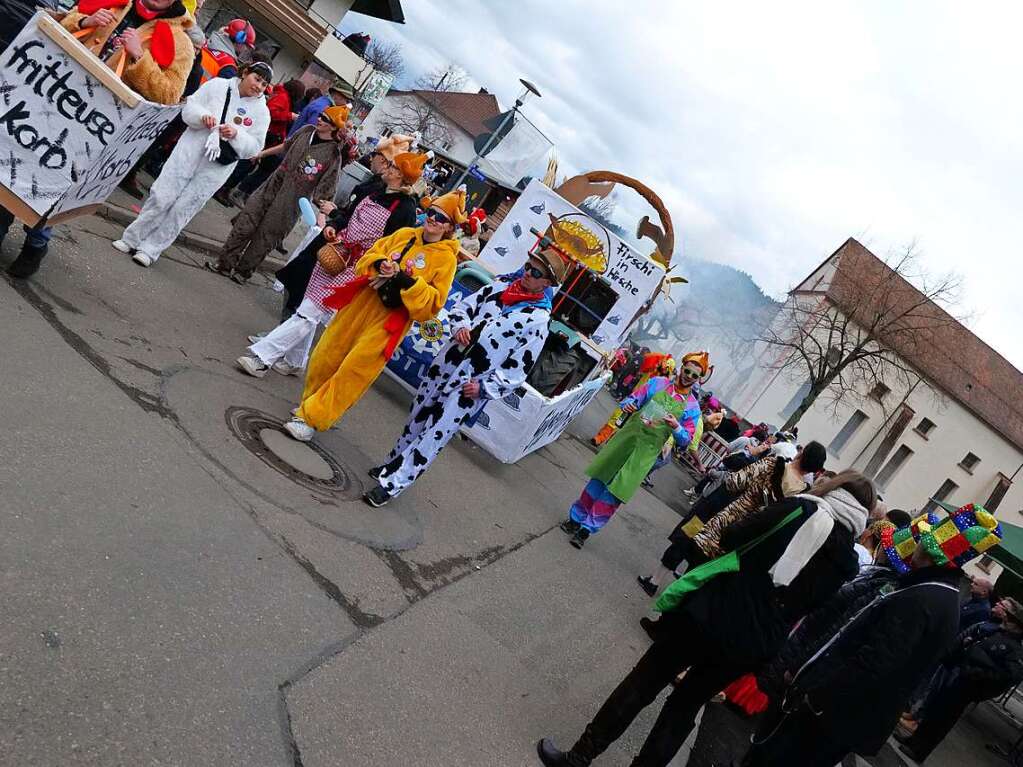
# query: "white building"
{"type": "Point", "coordinates": [954, 431]}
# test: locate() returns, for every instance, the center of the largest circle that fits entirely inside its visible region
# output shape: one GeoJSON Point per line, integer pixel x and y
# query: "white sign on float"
{"type": "Point", "coordinates": [634, 277]}
{"type": "Point", "coordinates": [66, 140]}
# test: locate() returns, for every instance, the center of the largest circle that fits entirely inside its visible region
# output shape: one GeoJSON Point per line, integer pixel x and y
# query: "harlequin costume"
{"type": "Point", "coordinates": [365, 332]}
{"type": "Point", "coordinates": [188, 179]}
{"type": "Point", "coordinates": [309, 169]}
{"type": "Point", "coordinates": [654, 364]}
{"type": "Point", "coordinates": [508, 326]}
{"type": "Point", "coordinates": [376, 216]}
{"type": "Point", "coordinates": [620, 467]}
{"type": "Point", "coordinates": [167, 51]}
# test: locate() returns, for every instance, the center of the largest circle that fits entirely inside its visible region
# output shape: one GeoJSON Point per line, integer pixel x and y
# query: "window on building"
{"type": "Point", "coordinates": [947, 488]}
{"type": "Point", "coordinates": [925, 427]}
{"type": "Point", "coordinates": [889, 470]}
{"type": "Point", "coordinates": [879, 392]}
{"type": "Point", "coordinates": [796, 401]}
{"type": "Point", "coordinates": [995, 499]}
{"type": "Point", "coordinates": [969, 462]}
{"type": "Point", "coordinates": [846, 432]}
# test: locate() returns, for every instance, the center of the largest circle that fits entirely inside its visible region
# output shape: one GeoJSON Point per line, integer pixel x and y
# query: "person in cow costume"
{"type": "Point", "coordinates": [496, 335]}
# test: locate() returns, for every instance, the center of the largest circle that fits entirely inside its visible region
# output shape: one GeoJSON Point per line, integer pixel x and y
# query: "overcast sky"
{"type": "Point", "coordinates": [774, 131]}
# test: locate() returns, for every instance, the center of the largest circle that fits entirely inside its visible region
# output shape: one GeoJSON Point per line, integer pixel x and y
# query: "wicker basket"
{"type": "Point", "coordinates": [333, 258]}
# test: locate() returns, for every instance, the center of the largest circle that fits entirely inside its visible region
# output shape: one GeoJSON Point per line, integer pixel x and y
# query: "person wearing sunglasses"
{"type": "Point", "coordinates": [663, 408]}
{"type": "Point", "coordinates": [497, 333]}
{"type": "Point", "coordinates": [402, 278]}
{"type": "Point", "coordinates": [312, 159]}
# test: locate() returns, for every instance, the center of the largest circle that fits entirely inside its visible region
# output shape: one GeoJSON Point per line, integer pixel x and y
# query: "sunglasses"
{"type": "Point", "coordinates": [691, 375]}
{"type": "Point", "coordinates": [536, 273]}
{"type": "Point", "coordinates": [437, 216]}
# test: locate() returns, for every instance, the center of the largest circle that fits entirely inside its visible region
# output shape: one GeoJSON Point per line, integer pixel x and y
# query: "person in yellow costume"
{"type": "Point", "coordinates": [402, 278]}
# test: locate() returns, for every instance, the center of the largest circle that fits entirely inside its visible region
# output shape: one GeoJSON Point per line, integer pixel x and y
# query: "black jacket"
{"type": "Point", "coordinates": [744, 615]}
{"type": "Point", "coordinates": [863, 680]}
{"type": "Point", "coordinates": [821, 625]}
{"type": "Point", "coordinates": [989, 660]}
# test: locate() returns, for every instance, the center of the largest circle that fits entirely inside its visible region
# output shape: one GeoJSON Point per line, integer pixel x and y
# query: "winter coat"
{"type": "Point", "coordinates": [759, 484]}
{"type": "Point", "coordinates": [988, 659]}
{"type": "Point", "coordinates": [152, 81]}
{"type": "Point", "coordinates": [862, 681]}
{"type": "Point", "coordinates": [279, 105]}
{"type": "Point", "coordinates": [310, 113]}
{"type": "Point", "coordinates": [822, 624]}
{"type": "Point", "coordinates": [744, 615]}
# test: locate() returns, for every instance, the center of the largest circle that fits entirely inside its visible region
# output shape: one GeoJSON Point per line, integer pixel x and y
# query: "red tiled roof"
{"type": "Point", "coordinates": [947, 353]}
{"type": "Point", "coordinates": [466, 110]}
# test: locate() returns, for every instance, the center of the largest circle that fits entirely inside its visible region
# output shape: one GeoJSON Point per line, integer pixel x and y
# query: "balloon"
{"type": "Point", "coordinates": [308, 211]}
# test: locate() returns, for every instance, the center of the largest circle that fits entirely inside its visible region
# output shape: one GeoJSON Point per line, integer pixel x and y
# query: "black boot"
{"type": "Point", "coordinates": [569, 526]}
{"type": "Point", "coordinates": [375, 472]}
{"type": "Point", "coordinates": [647, 584]}
{"type": "Point", "coordinates": [580, 537]}
{"type": "Point", "coordinates": [27, 262]}
{"type": "Point", "coordinates": [550, 756]}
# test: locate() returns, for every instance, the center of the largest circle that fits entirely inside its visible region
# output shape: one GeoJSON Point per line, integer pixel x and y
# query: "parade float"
{"type": "Point", "coordinates": [70, 129]}
{"type": "Point", "coordinates": [610, 285]}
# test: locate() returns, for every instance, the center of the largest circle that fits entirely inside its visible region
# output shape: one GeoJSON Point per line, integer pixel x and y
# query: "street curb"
{"type": "Point", "coordinates": [124, 216]}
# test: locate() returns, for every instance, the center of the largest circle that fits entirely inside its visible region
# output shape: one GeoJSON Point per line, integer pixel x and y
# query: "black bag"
{"type": "Point", "coordinates": [390, 291]}
{"type": "Point", "coordinates": [228, 155]}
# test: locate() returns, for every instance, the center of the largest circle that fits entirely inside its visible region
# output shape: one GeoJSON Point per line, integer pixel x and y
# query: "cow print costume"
{"type": "Point", "coordinates": [509, 340]}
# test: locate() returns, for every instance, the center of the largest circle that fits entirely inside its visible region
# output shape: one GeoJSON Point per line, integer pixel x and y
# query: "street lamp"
{"type": "Point", "coordinates": [530, 88]}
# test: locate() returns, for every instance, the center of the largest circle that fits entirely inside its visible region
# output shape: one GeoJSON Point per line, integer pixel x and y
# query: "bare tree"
{"type": "Point", "coordinates": [386, 57]}
{"type": "Point", "coordinates": [864, 330]}
{"type": "Point", "coordinates": [422, 112]}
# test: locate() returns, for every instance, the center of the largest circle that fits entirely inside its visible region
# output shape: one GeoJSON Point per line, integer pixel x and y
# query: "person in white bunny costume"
{"type": "Point", "coordinates": [230, 109]}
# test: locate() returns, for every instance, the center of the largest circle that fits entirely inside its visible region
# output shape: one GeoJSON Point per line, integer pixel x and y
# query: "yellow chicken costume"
{"type": "Point", "coordinates": [362, 336]}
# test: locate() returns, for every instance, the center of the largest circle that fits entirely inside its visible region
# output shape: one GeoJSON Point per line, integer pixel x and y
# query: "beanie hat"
{"type": "Point", "coordinates": [336, 116]}
{"type": "Point", "coordinates": [411, 165]}
{"type": "Point", "coordinates": [394, 145]}
{"type": "Point", "coordinates": [452, 204]}
{"type": "Point", "coordinates": [965, 534]}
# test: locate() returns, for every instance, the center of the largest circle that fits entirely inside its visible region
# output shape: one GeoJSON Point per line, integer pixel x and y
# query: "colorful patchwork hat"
{"type": "Point", "coordinates": [965, 534]}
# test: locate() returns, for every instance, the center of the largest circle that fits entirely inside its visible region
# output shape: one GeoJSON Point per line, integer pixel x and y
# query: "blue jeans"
{"type": "Point", "coordinates": [38, 237]}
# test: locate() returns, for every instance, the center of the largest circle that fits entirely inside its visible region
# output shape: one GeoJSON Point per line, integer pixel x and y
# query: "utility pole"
{"type": "Point", "coordinates": [530, 88]}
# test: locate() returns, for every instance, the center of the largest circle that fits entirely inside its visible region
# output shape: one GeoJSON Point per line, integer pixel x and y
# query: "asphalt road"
{"type": "Point", "coordinates": [169, 598]}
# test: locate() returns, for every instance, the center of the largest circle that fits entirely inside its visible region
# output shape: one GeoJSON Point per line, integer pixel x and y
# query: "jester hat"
{"type": "Point", "coordinates": [966, 533]}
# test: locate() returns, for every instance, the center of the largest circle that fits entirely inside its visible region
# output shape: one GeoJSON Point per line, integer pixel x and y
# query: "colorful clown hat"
{"type": "Point", "coordinates": [965, 534]}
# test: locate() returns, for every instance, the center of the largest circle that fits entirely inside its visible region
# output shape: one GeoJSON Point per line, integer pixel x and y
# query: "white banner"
{"type": "Point", "coordinates": [635, 278]}
{"type": "Point", "coordinates": [65, 139]}
{"type": "Point", "coordinates": [522, 152]}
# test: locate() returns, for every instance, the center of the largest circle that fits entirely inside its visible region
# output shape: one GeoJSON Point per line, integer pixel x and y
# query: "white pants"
{"type": "Point", "coordinates": [292, 340]}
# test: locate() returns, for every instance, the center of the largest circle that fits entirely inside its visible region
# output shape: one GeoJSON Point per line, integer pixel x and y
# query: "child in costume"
{"type": "Point", "coordinates": [312, 158]}
{"type": "Point", "coordinates": [496, 335]}
{"type": "Point", "coordinates": [286, 347]}
{"type": "Point", "coordinates": [236, 111]}
{"type": "Point", "coordinates": [402, 278]}
{"type": "Point", "coordinates": [663, 408]}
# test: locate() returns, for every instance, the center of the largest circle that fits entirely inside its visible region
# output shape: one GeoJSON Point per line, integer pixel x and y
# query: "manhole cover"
{"type": "Point", "coordinates": [305, 463]}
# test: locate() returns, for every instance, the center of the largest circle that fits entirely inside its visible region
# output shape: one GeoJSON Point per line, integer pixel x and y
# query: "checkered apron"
{"type": "Point", "coordinates": [365, 227]}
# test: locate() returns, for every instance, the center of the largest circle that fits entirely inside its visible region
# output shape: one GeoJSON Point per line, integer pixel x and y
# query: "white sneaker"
{"type": "Point", "coordinates": [252, 366]}
{"type": "Point", "coordinates": [122, 246]}
{"type": "Point", "coordinates": [255, 338]}
{"type": "Point", "coordinates": [285, 369]}
{"type": "Point", "coordinates": [143, 259]}
{"type": "Point", "coordinates": [299, 429]}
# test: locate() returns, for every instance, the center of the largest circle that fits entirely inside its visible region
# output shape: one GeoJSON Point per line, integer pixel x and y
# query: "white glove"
{"type": "Point", "coordinates": [212, 150]}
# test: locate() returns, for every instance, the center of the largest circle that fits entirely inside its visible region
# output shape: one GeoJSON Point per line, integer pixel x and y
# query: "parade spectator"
{"type": "Point", "coordinates": [14, 14]}
{"type": "Point", "coordinates": [846, 697]}
{"type": "Point", "coordinates": [497, 334]}
{"type": "Point", "coordinates": [797, 554]}
{"type": "Point", "coordinates": [899, 518]}
{"type": "Point", "coordinates": [153, 37]}
{"type": "Point", "coordinates": [977, 608]}
{"type": "Point", "coordinates": [985, 662]}
{"type": "Point", "coordinates": [226, 50]}
{"type": "Point", "coordinates": [663, 408]}
{"type": "Point", "coordinates": [339, 94]}
{"type": "Point", "coordinates": [741, 494]}
{"type": "Point", "coordinates": [296, 273]}
{"type": "Point", "coordinates": [312, 159]}
{"type": "Point", "coordinates": [286, 347]}
{"type": "Point", "coordinates": [403, 278]}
